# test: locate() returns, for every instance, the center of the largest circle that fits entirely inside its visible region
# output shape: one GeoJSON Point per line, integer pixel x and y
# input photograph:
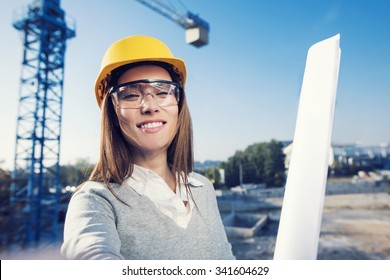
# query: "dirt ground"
{"type": "Point", "coordinates": [357, 228]}
{"type": "Point", "coordinates": [354, 227]}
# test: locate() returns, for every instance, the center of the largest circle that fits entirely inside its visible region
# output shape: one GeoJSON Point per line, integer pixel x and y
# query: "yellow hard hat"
{"type": "Point", "coordinates": [135, 49]}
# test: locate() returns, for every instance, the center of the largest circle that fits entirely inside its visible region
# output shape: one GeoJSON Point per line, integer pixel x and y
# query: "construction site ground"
{"type": "Point", "coordinates": [354, 227]}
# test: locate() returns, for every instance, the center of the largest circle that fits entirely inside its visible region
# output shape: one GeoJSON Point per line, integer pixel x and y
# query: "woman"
{"type": "Point", "coordinates": [142, 201]}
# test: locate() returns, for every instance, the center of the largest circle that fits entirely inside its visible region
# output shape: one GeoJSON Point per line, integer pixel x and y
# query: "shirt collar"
{"type": "Point", "coordinates": [147, 183]}
{"type": "Point", "coordinates": [140, 177]}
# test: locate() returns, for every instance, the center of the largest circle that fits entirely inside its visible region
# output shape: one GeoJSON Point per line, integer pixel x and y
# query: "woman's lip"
{"type": "Point", "coordinates": [151, 128]}
{"type": "Point", "coordinates": [151, 124]}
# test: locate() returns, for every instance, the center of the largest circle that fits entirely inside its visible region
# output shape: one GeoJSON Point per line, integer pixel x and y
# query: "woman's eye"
{"type": "Point", "coordinates": [162, 94]}
{"type": "Point", "coordinates": [130, 97]}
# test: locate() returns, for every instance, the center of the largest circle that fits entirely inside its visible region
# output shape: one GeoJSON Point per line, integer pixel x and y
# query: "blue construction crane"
{"type": "Point", "coordinates": [35, 188]}
{"type": "Point", "coordinates": [197, 29]}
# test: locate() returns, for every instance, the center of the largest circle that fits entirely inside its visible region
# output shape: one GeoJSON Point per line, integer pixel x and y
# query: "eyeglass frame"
{"type": "Point", "coordinates": [177, 93]}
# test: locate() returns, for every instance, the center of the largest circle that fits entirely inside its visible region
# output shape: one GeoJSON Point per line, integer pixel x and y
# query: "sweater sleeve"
{"type": "Point", "coordinates": [90, 229]}
{"type": "Point", "coordinates": [226, 247]}
{"type": "Point", "coordinates": [214, 216]}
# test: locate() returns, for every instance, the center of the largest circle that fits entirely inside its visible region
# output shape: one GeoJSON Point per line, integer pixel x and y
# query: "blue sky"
{"type": "Point", "coordinates": [242, 88]}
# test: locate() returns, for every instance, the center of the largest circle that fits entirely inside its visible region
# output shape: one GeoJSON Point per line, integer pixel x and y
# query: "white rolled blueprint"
{"type": "Point", "coordinates": [300, 221]}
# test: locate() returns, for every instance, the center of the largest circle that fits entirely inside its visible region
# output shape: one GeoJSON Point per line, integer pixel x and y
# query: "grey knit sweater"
{"type": "Point", "coordinates": [98, 226]}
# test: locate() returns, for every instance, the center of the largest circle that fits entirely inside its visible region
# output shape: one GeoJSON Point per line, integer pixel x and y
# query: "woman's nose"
{"type": "Point", "coordinates": [149, 105]}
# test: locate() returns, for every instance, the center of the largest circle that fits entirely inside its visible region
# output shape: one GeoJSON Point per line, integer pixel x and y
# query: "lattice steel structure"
{"type": "Point", "coordinates": [34, 196]}
{"type": "Point", "coordinates": [197, 29]}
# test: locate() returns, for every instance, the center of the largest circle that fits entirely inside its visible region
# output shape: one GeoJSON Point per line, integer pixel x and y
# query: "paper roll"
{"type": "Point", "coordinates": [301, 215]}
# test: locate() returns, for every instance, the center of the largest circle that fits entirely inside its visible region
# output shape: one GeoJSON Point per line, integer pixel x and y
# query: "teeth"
{"type": "Point", "coordinates": [151, 125]}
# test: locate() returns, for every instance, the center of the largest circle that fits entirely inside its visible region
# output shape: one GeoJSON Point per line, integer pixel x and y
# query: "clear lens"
{"type": "Point", "coordinates": [133, 95]}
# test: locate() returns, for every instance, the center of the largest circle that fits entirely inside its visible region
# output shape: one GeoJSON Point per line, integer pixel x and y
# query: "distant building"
{"type": "Point", "coordinates": [351, 158]}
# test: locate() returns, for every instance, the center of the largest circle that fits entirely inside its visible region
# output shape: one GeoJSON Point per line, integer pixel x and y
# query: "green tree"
{"type": "Point", "coordinates": [255, 156]}
{"type": "Point", "coordinates": [5, 185]}
{"type": "Point", "coordinates": [274, 171]}
{"type": "Point", "coordinates": [214, 176]}
{"type": "Point", "coordinates": [75, 174]}
{"type": "Point", "coordinates": [232, 167]}
{"type": "Point", "coordinates": [261, 163]}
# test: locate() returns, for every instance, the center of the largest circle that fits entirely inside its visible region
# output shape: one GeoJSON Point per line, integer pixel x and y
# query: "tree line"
{"type": "Point", "coordinates": [260, 163]}
{"type": "Point", "coordinates": [70, 175]}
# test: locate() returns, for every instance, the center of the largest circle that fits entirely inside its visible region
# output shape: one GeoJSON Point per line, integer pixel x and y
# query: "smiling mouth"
{"type": "Point", "coordinates": [150, 125]}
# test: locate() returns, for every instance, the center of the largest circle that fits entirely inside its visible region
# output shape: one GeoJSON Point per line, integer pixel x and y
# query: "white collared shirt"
{"type": "Point", "coordinates": [178, 206]}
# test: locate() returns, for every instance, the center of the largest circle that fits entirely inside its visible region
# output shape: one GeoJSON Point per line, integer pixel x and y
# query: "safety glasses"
{"type": "Point", "coordinates": [133, 95]}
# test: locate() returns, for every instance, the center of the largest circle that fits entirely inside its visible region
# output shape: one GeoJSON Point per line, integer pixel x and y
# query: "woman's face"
{"type": "Point", "coordinates": [149, 129]}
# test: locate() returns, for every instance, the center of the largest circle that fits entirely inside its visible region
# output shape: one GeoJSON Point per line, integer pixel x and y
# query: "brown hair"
{"type": "Point", "coordinates": [116, 162]}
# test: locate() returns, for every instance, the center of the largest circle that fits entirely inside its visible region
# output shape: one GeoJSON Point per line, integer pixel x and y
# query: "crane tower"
{"type": "Point", "coordinates": [34, 195]}
{"type": "Point", "coordinates": [197, 29]}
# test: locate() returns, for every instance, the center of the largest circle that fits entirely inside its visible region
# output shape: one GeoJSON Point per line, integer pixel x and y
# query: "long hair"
{"type": "Point", "coordinates": [116, 161]}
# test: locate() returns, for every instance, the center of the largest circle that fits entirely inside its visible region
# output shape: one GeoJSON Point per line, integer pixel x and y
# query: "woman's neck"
{"type": "Point", "coordinates": [158, 164]}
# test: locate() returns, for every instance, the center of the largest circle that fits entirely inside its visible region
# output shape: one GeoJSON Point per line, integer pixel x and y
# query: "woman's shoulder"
{"type": "Point", "coordinates": [113, 193]}
{"type": "Point", "coordinates": [198, 180]}
{"type": "Point", "coordinates": [92, 189]}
